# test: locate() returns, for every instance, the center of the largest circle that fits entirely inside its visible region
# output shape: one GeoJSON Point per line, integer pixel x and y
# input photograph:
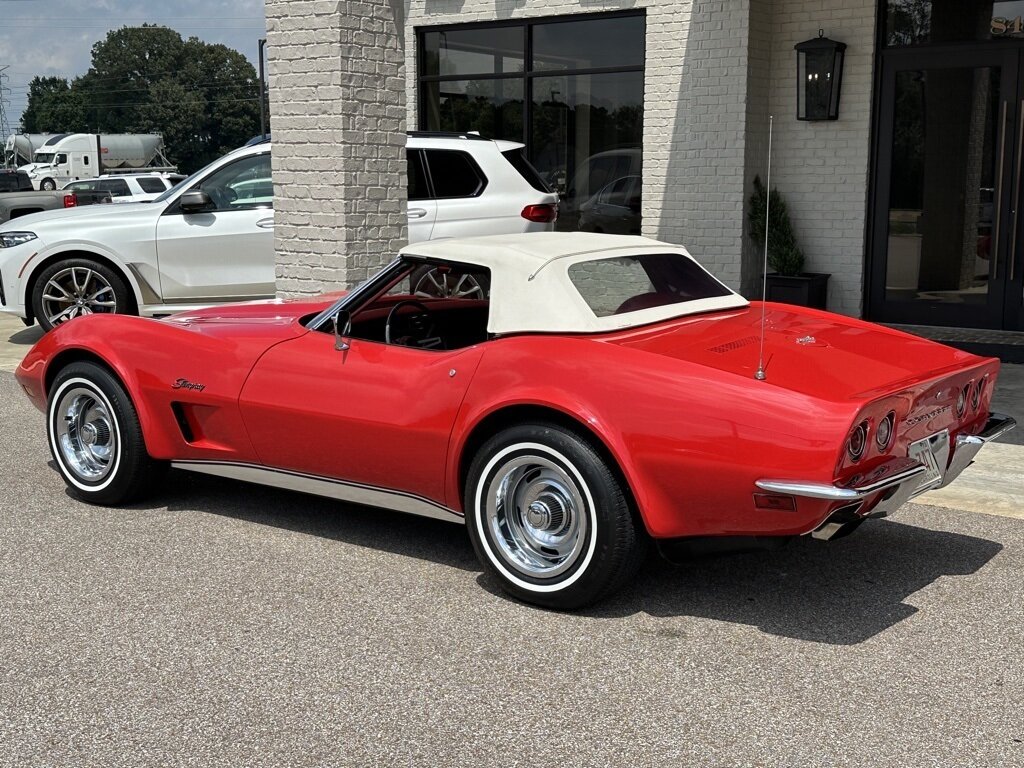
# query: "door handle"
{"type": "Point", "coordinates": [1011, 256]}
{"type": "Point", "coordinates": [417, 213]}
{"type": "Point", "coordinates": [265, 223]}
{"type": "Point", "coordinates": [998, 202]}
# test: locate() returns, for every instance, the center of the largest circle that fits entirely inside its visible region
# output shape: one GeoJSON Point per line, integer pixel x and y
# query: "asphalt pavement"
{"type": "Point", "coordinates": [220, 624]}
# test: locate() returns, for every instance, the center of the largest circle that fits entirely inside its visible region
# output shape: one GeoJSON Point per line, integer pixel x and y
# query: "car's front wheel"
{"type": "Point", "coordinates": [73, 287]}
{"type": "Point", "coordinates": [550, 519]}
{"type": "Point", "coordinates": [96, 439]}
{"type": "Point", "coordinates": [47, 185]}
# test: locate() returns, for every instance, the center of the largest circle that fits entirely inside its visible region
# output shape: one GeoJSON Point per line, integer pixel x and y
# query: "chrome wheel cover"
{"type": "Point", "coordinates": [76, 291]}
{"type": "Point", "coordinates": [536, 516]}
{"type": "Point", "coordinates": [85, 434]}
{"type": "Point", "coordinates": [445, 285]}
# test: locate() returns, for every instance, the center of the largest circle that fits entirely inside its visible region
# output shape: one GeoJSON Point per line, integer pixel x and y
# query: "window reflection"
{"type": "Point", "coordinates": [586, 134]}
{"type": "Point", "coordinates": [915, 22]}
{"type": "Point", "coordinates": [492, 107]}
{"type": "Point", "coordinates": [940, 240]}
{"type": "Point", "coordinates": [588, 44]}
{"type": "Point", "coordinates": [583, 129]}
{"type": "Point", "coordinates": [473, 51]}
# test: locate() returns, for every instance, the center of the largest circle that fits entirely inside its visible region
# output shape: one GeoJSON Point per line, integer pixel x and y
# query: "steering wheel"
{"type": "Point", "coordinates": [417, 329]}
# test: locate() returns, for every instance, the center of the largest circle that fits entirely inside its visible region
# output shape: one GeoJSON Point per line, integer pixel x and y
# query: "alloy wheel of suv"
{"type": "Point", "coordinates": [76, 287]}
{"type": "Point", "coordinates": [434, 283]}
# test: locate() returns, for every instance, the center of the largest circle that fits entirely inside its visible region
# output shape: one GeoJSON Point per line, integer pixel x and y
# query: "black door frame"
{"type": "Point", "coordinates": [1004, 308]}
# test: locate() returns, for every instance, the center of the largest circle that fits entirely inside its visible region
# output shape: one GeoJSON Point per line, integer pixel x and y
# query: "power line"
{"type": "Point", "coordinates": [175, 102]}
{"type": "Point", "coordinates": [223, 84]}
{"type": "Point", "coordinates": [115, 79]}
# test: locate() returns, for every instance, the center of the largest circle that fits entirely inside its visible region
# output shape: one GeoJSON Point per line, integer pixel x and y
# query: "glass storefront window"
{"type": "Point", "coordinates": [589, 44]}
{"type": "Point", "coordinates": [577, 104]}
{"type": "Point", "coordinates": [586, 133]}
{"type": "Point", "coordinates": [476, 51]}
{"type": "Point", "coordinates": [493, 107]}
{"type": "Point", "coordinates": [941, 216]}
{"type": "Point", "coordinates": [916, 22]}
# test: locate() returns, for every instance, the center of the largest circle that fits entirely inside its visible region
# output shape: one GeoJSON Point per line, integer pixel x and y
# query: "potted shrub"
{"type": "Point", "coordinates": [787, 282]}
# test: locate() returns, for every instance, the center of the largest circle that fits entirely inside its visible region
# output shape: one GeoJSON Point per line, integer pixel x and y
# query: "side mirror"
{"type": "Point", "coordinates": [342, 323]}
{"type": "Point", "coordinates": [195, 201]}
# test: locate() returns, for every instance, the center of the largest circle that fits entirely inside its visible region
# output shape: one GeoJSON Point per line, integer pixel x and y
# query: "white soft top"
{"type": "Point", "coordinates": [530, 285]}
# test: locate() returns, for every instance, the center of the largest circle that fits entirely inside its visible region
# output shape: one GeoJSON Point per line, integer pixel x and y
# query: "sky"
{"type": "Point", "coordinates": [55, 37]}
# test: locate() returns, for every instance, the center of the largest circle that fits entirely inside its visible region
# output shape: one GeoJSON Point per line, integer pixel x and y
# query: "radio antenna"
{"type": "Point", "coordinates": [760, 375]}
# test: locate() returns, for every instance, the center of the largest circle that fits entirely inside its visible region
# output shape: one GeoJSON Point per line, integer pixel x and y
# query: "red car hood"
{"type": "Point", "coordinates": [816, 353]}
{"type": "Point", "coordinates": [253, 315]}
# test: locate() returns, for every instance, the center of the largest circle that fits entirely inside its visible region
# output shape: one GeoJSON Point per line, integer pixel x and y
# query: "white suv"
{"type": "Point", "coordinates": [127, 188]}
{"type": "Point", "coordinates": [210, 239]}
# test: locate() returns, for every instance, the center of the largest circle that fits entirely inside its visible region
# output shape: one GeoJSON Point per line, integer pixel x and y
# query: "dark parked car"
{"type": "Point", "coordinates": [14, 181]}
{"type": "Point", "coordinates": [614, 209]}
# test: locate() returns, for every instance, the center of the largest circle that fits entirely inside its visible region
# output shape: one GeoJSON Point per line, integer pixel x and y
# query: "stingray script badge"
{"type": "Point", "coordinates": [186, 384]}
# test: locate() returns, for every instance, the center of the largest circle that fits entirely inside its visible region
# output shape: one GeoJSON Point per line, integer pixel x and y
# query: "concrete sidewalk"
{"type": "Point", "coordinates": [15, 341]}
{"type": "Point", "coordinates": [993, 485]}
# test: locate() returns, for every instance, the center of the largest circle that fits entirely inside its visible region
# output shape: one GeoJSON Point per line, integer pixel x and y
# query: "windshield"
{"type": "Point", "coordinates": [45, 157]}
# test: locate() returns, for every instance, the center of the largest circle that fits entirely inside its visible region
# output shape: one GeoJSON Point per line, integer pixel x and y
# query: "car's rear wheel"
{"type": "Point", "coordinates": [550, 519]}
{"type": "Point", "coordinates": [96, 439]}
{"type": "Point", "coordinates": [74, 287]}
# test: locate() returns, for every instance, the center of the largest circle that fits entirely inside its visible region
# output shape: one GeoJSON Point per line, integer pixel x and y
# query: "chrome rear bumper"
{"type": "Point", "coordinates": [967, 446]}
{"type": "Point", "coordinates": [889, 486]}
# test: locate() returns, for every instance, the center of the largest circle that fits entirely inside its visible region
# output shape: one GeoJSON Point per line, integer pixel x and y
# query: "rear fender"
{"type": "Point", "coordinates": [690, 441]}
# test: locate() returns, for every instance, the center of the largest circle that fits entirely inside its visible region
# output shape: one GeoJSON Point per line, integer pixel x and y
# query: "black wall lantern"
{"type": "Point", "coordinates": [819, 73]}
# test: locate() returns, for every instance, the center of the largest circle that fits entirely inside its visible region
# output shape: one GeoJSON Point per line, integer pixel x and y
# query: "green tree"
{"type": "Point", "coordinates": [203, 98]}
{"type": "Point", "coordinates": [124, 67]}
{"type": "Point", "coordinates": [54, 106]}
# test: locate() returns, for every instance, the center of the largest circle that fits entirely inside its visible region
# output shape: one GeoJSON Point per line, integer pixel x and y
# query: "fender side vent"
{"type": "Point", "coordinates": [731, 345]}
{"type": "Point", "coordinates": [179, 416]}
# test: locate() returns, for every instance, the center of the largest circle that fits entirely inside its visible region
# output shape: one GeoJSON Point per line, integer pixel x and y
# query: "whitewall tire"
{"type": "Point", "coordinates": [95, 437]}
{"type": "Point", "coordinates": [549, 519]}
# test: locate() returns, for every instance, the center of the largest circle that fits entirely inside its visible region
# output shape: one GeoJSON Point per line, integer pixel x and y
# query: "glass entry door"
{"type": "Point", "coordinates": [947, 238]}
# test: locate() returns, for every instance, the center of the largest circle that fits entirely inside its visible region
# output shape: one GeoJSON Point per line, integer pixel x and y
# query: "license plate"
{"type": "Point", "coordinates": [928, 451]}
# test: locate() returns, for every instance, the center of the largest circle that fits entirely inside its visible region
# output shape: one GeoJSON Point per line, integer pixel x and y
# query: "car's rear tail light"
{"type": "Point", "coordinates": [883, 435]}
{"type": "Point", "coordinates": [961, 401]}
{"type": "Point", "coordinates": [70, 200]}
{"type": "Point", "coordinates": [542, 214]}
{"type": "Point", "coordinates": [976, 395]}
{"type": "Point", "coordinates": [858, 441]}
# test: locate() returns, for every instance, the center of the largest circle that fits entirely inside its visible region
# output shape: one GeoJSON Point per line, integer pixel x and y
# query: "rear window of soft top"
{"type": "Point", "coordinates": [624, 284]}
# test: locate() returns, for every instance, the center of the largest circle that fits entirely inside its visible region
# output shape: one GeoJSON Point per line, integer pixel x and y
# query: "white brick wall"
{"type": "Point", "coordinates": [822, 167]}
{"type": "Point", "coordinates": [337, 103]}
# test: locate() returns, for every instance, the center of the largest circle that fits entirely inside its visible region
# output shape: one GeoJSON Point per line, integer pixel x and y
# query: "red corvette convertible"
{"type": "Point", "coordinates": [571, 398]}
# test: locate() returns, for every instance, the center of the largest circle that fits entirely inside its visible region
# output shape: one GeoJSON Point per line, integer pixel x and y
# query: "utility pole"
{"type": "Point", "coordinates": [263, 90]}
{"type": "Point", "coordinates": [5, 129]}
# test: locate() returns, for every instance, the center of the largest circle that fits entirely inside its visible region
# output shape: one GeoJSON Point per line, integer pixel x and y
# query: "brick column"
{"type": "Point", "coordinates": [337, 103]}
